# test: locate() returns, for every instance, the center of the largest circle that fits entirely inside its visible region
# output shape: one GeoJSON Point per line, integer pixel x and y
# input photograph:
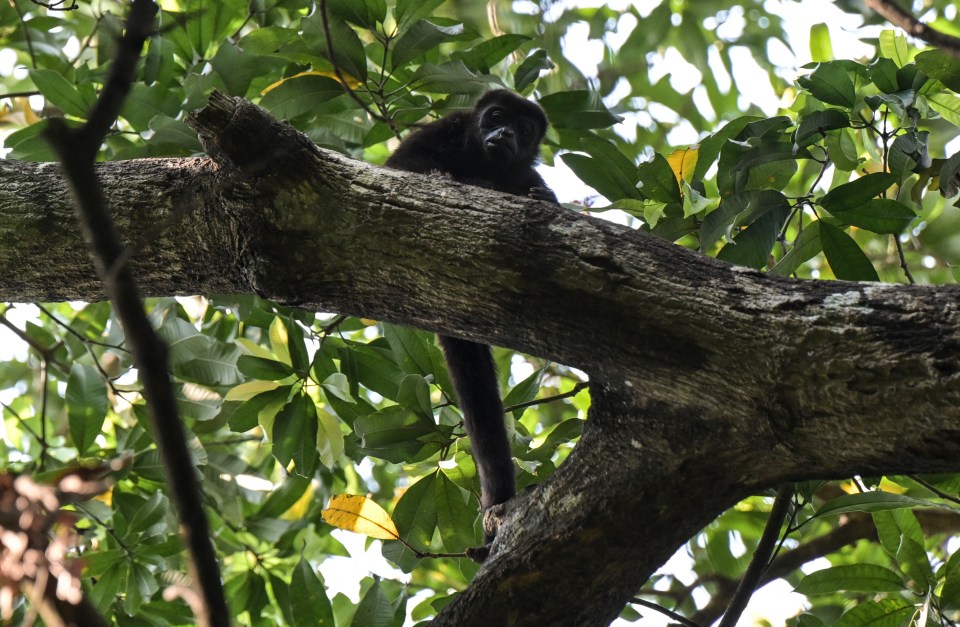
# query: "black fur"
{"type": "Point", "coordinates": [495, 145]}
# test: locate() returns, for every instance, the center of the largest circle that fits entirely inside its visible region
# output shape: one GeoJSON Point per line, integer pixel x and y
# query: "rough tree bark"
{"type": "Point", "coordinates": [709, 382]}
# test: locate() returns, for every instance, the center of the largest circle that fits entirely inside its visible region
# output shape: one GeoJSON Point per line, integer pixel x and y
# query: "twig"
{"type": "Point", "coordinates": [26, 33]}
{"type": "Point", "coordinates": [761, 557]}
{"type": "Point", "coordinates": [898, 17]}
{"type": "Point", "coordinates": [903, 260]}
{"type": "Point", "coordinates": [668, 613]}
{"type": "Point", "coordinates": [340, 77]}
{"type": "Point", "coordinates": [579, 387]}
{"type": "Point", "coordinates": [77, 149]}
{"type": "Point", "coordinates": [935, 490]}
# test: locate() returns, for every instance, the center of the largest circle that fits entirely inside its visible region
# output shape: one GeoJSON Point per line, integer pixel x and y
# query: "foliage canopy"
{"type": "Point", "coordinates": [852, 179]}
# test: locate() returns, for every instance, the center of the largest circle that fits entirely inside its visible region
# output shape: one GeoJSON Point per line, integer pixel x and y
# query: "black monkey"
{"type": "Point", "coordinates": [495, 145]}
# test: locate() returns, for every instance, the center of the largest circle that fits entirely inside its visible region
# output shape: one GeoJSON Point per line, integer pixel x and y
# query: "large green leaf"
{"type": "Point", "coordinates": [857, 192]}
{"type": "Point", "coordinates": [580, 109]}
{"type": "Point", "coordinates": [294, 435]}
{"type": "Point", "coordinates": [87, 405]}
{"type": "Point", "coordinates": [882, 215]}
{"type": "Point", "coordinates": [868, 502]}
{"type": "Point", "coordinates": [843, 254]}
{"type": "Point", "coordinates": [309, 605]}
{"type": "Point", "coordinates": [831, 84]}
{"type": "Point", "coordinates": [421, 38]}
{"type": "Point", "coordinates": [856, 577]}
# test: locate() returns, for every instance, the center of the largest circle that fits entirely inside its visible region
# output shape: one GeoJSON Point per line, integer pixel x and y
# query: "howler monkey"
{"type": "Point", "coordinates": [494, 145]}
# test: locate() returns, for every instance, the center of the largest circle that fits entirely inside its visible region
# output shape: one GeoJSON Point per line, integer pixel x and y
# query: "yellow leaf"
{"type": "Point", "coordinates": [682, 162]}
{"type": "Point", "coordinates": [246, 391]}
{"type": "Point", "coordinates": [352, 82]}
{"type": "Point", "coordinates": [360, 515]}
{"type": "Point", "coordinates": [279, 340]}
{"type": "Point", "coordinates": [253, 348]}
{"type": "Point", "coordinates": [299, 510]}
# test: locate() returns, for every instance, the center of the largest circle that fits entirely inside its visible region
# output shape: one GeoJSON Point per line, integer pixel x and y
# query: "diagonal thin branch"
{"type": "Point", "coordinates": [77, 150]}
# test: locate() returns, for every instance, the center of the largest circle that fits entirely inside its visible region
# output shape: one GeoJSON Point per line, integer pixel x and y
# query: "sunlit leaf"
{"type": "Point", "coordinates": [360, 515]}
{"type": "Point", "coordinates": [856, 577]}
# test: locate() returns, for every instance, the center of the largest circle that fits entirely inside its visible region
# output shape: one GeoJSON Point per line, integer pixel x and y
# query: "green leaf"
{"type": "Point", "coordinates": [657, 180]}
{"type": "Point", "coordinates": [410, 348]}
{"type": "Point", "coordinates": [247, 415]}
{"type": "Point", "coordinates": [283, 496]}
{"type": "Point", "coordinates": [421, 38]}
{"type": "Point", "coordinates": [150, 513]}
{"type": "Point", "coordinates": [883, 613]}
{"type": "Point", "coordinates": [880, 216]}
{"type": "Point", "coordinates": [215, 366]}
{"type": "Point", "coordinates": [309, 605]}
{"type": "Point", "coordinates": [741, 209]}
{"type": "Point", "coordinates": [363, 13]}
{"type": "Point", "coordinates": [592, 172]}
{"type": "Point", "coordinates": [338, 385]}
{"type": "Point", "coordinates": [450, 78]}
{"type": "Point", "coordinates": [455, 517]}
{"type": "Point", "coordinates": [294, 435]}
{"type": "Point", "coordinates": [488, 53]}
{"type": "Point", "coordinates": [857, 578]}
{"type": "Point", "coordinates": [409, 11]}
{"type": "Point", "coordinates": [915, 564]}
{"type": "Point", "coordinates": [883, 73]}
{"type": "Point", "coordinates": [300, 95]}
{"type": "Point", "coordinates": [843, 254]}
{"type": "Point", "coordinates": [529, 70]}
{"type": "Point", "coordinates": [525, 391]}
{"type": "Point", "coordinates": [296, 346]}
{"type": "Point", "coordinates": [821, 48]}
{"type": "Point", "coordinates": [375, 609]}
{"type": "Point", "coordinates": [894, 47]}
{"type": "Point", "coordinates": [842, 149]}
{"type": "Point", "coordinates": [910, 152]}
{"type": "Point", "coordinates": [263, 369]}
{"type": "Point", "coordinates": [947, 105]}
{"type": "Point", "coordinates": [815, 125]}
{"type": "Point", "coordinates": [857, 192]}
{"type": "Point", "coordinates": [60, 92]}
{"type": "Point", "coordinates": [752, 246]}
{"type": "Point", "coordinates": [87, 405]}
{"type": "Point", "coordinates": [941, 66]}
{"type": "Point", "coordinates": [867, 501]}
{"type": "Point", "coordinates": [578, 109]}
{"type": "Point", "coordinates": [144, 102]}
{"type": "Point", "coordinates": [395, 434]}
{"type": "Point", "coordinates": [805, 247]}
{"type": "Point", "coordinates": [414, 394]}
{"type": "Point", "coordinates": [416, 512]}
{"type": "Point", "coordinates": [621, 170]}
{"type": "Point", "coordinates": [348, 52]}
{"type": "Point", "coordinates": [830, 83]}
{"type": "Point", "coordinates": [950, 593]}
{"type": "Point", "coordinates": [950, 176]}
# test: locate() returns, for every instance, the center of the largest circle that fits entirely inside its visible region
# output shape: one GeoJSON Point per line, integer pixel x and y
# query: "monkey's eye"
{"type": "Point", "coordinates": [496, 115]}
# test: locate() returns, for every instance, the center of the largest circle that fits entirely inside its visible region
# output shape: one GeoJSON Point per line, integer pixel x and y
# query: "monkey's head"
{"type": "Point", "coordinates": [509, 128]}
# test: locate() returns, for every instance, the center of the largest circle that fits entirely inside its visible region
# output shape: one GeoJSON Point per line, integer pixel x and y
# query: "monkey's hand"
{"type": "Point", "coordinates": [543, 193]}
{"type": "Point", "coordinates": [440, 174]}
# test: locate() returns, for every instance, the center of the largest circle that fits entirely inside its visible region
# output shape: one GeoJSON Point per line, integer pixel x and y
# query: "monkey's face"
{"type": "Point", "coordinates": [507, 136]}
